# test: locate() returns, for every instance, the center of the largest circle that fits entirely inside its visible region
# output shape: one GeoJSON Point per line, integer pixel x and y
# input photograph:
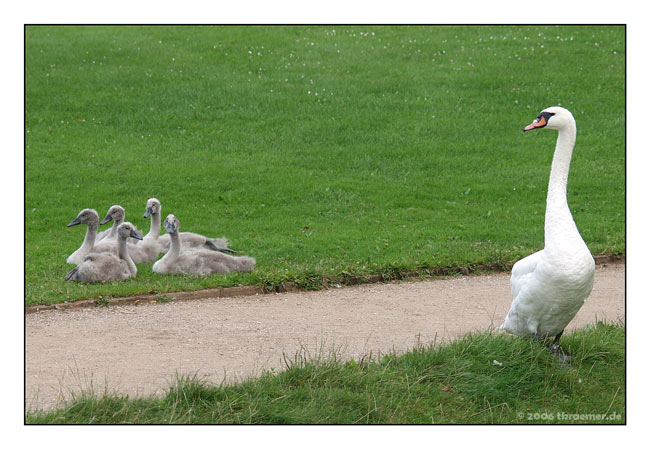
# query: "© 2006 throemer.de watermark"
{"type": "Point", "coordinates": [569, 417]}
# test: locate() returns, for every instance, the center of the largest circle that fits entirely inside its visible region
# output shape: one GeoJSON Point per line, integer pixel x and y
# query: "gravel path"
{"type": "Point", "coordinates": [137, 349]}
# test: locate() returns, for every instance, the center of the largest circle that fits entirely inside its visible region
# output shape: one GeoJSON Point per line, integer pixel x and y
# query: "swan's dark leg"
{"type": "Point", "coordinates": [556, 343]}
{"type": "Point", "coordinates": [564, 358]}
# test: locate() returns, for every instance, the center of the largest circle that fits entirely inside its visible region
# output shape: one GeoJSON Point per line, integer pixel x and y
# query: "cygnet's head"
{"type": "Point", "coordinates": [126, 230]}
{"type": "Point", "coordinates": [115, 213]}
{"type": "Point", "coordinates": [86, 216]}
{"type": "Point", "coordinates": [555, 117]}
{"type": "Point", "coordinates": [153, 207]}
{"type": "Point", "coordinates": [171, 224]}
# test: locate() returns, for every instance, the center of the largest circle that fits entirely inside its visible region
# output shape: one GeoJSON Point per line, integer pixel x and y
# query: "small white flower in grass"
{"type": "Point", "coordinates": [496, 362]}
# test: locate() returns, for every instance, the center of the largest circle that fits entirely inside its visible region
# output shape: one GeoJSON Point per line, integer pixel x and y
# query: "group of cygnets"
{"type": "Point", "coordinates": [112, 255]}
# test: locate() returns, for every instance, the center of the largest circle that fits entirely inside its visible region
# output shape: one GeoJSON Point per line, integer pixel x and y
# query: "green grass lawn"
{"type": "Point", "coordinates": [321, 151]}
{"type": "Point", "coordinates": [482, 378]}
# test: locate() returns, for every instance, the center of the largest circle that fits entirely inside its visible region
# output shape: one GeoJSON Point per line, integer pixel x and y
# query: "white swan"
{"type": "Point", "coordinates": [550, 286]}
{"type": "Point", "coordinates": [201, 262]}
{"type": "Point", "coordinates": [104, 267]}
{"type": "Point", "coordinates": [189, 239]}
{"type": "Point", "coordinates": [91, 218]}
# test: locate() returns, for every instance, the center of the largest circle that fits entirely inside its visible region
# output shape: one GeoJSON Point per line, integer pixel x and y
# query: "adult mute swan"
{"type": "Point", "coordinates": [201, 262]}
{"type": "Point", "coordinates": [104, 267]}
{"type": "Point", "coordinates": [550, 286]}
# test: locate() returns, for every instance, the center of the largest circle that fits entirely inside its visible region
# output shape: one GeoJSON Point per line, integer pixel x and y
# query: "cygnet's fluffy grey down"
{"type": "Point", "coordinates": [91, 218]}
{"type": "Point", "coordinates": [101, 235]}
{"type": "Point", "coordinates": [105, 267]}
{"type": "Point", "coordinates": [197, 261]}
{"type": "Point", "coordinates": [143, 253]}
{"type": "Point", "coordinates": [188, 239]}
{"type": "Point", "coordinates": [115, 214]}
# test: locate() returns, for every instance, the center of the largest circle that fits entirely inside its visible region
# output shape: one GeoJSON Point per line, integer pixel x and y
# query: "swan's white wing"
{"type": "Point", "coordinates": [527, 306]}
{"type": "Point", "coordinates": [546, 297]}
{"type": "Point", "coordinates": [522, 272]}
{"type": "Point", "coordinates": [523, 285]}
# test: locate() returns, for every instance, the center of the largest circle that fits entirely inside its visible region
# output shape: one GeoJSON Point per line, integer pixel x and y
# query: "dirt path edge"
{"type": "Point", "coordinates": [251, 290]}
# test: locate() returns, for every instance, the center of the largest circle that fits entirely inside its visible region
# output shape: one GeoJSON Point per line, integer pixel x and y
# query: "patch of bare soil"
{"type": "Point", "coordinates": [138, 349]}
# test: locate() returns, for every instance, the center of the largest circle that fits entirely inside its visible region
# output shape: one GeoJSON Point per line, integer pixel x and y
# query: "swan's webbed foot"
{"type": "Point", "coordinates": [555, 348]}
{"type": "Point", "coordinates": [564, 359]}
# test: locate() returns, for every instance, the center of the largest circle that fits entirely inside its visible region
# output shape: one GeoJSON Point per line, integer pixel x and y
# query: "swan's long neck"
{"type": "Point", "coordinates": [154, 231]}
{"type": "Point", "coordinates": [559, 227]}
{"type": "Point", "coordinates": [113, 232]}
{"type": "Point", "coordinates": [89, 239]}
{"type": "Point", "coordinates": [123, 252]}
{"type": "Point", "coordinates": [175, 246]}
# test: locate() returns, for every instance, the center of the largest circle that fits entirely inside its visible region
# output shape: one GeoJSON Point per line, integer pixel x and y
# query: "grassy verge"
{"type": "Point", "coordinates": [481, 378]}
{"type": "Point", "coordinates": [320, 151]}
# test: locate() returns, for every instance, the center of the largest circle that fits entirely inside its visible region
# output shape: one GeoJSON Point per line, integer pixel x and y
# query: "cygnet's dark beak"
{"type": "Point", "coordinates": [135, 235]}
{"type": "Point", "coordinates": [75, 222]}
{"type": "Point", "coordinates": [169, 227]}
{"type": "Point", "coordinates": [106, 219]}
{"type": "Point", "coordinates": [148, 212]}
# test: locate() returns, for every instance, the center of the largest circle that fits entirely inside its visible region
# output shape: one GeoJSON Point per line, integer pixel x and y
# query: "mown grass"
{"type": "Point", "coordinates": [481, 378]}
{"type": "Point", "coordinates": [318, 150]}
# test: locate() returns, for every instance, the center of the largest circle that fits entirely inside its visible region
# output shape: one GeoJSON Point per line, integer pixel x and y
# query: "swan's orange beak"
{"type": "Point", "coordinates": [537, 123]}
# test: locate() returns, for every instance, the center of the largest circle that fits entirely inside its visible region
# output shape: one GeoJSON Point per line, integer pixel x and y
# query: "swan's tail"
{"type": "Point", "coordinates": [245, 263]}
